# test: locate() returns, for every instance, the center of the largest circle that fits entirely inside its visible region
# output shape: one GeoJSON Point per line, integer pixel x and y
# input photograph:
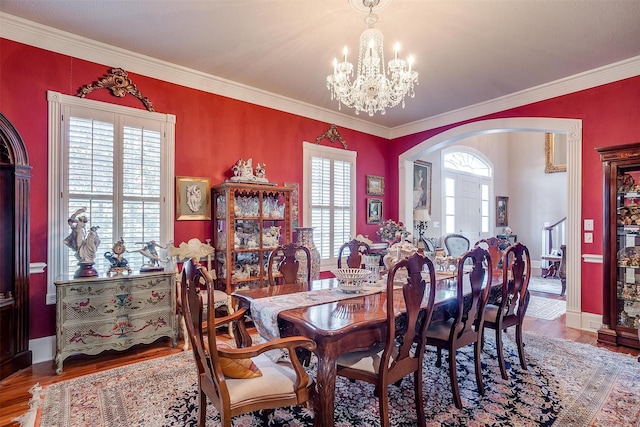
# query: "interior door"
{"type": "Point", "coordinates": [468, 218]}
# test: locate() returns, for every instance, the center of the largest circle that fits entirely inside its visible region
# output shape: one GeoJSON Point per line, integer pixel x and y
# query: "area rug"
{"type": "Point", "coordinates": [565, 384]}
{"type": "Point", "coordinates": [548, 285]}
{"type": "Point", "coordinates": [546, 308]}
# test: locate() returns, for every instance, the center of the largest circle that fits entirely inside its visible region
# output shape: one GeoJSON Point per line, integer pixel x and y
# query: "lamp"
{"type": "Point", "coordinates": [372, 90]}
{"type": "Point", "coordinates": [421, 216]}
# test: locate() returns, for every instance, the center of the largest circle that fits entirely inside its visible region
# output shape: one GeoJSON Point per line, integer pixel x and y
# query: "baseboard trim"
{"type": "Point", "coordinates": [591, 322]}
{"type": "Point", "coordinates": [43, 349]}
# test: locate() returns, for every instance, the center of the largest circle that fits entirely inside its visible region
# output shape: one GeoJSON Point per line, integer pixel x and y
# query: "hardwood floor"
{"type": "Point", "coordinates": [14, 390]}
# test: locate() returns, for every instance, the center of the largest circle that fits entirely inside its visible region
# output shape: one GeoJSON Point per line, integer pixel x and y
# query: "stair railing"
{"type": "Point", "coordinates": [557, 230]}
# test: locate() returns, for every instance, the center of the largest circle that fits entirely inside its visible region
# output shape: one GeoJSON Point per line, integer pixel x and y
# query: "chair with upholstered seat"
{"type": "Point", "coordinates": [466, 325]}
{"type": "Point", "coordinates": [456, 244]}
{"type": "Point", "coordinates": [356, 250]}
{"type": "Point", "coordinates": [516, 272]}
{"type": "Point", "coordinates": [283, 265]}
{"type": "Point", "coordinates": [402, 351]}
{"type": "Point", "coordinates": [238, 380]}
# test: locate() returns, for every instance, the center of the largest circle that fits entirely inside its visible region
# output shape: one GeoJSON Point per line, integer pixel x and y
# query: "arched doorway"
{"type": "Point", "coordinates": [573, 129]}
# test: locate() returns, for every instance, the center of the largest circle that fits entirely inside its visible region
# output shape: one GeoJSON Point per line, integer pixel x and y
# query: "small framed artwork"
{"type": "Point", "coordinates": [502, 211]}
{"type": "Point", "coordinates": [422, 185]}
{"type": "Point", "coordinates": [374, 211]}
{"type": "Point", "coordinates": [375, 185]}
{"type": "Point", "coordinates": [193, 198]}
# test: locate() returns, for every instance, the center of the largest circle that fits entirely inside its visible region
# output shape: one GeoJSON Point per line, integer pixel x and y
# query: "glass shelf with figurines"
{"type": "Point", "coordinates": [629, 257]}
{"type": "Point", "coordinates": [629, 291]}
{"type": "Point", "coordinates": [253, 219]}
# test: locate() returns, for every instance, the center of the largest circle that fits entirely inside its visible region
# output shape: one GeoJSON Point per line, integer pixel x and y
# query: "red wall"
{"type": "Point", "coordinates": [212, 132]}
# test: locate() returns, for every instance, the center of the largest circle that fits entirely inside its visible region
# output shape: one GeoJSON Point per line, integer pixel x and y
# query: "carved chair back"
{"type": "Point", "coordinates": [356, 249]}
{"type": "Point", "coordinates": [284, 261]}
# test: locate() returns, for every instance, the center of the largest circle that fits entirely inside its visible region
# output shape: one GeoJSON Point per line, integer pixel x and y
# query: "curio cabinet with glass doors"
{"type": "Point", "coordinates": [621, 245]}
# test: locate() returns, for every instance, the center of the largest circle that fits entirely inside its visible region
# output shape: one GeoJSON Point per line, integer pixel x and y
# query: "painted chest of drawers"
{"type": "Point", "coordinates": [113, 313]}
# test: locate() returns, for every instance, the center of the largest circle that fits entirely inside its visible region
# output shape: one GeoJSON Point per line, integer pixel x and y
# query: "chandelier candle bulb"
{"type": "Point", "coordinates": [345, 51]}
{"type": "Point", "coordinates": [397, 49]}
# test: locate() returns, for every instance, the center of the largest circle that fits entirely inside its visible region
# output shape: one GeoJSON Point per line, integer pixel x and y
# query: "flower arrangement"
{"type": "Point", "coordinates": [391, 231]}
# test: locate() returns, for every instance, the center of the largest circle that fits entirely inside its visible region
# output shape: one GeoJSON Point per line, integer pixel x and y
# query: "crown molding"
{"type": "Point", "coordinates": [588, 79]}
{"type": "Point", "coordinates": [44, 37]}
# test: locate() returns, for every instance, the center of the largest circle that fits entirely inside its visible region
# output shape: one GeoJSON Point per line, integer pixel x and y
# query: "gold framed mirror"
{"type": "Point", "coordinates": [555, 153]}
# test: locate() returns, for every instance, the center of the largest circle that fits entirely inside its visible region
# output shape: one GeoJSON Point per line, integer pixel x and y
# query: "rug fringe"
{"type": "Point", "coordinates": [28, 419]}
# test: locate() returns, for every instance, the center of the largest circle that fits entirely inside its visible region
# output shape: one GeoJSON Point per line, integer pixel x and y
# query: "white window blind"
{"type": "Point", "coordinates": [329, 198]}
{"type": "Point", "coordinates": [117, 162]}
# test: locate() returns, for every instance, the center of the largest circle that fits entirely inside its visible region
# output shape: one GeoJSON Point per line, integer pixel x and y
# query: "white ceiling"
{"type": "Point", "coordinates": [467, 51]}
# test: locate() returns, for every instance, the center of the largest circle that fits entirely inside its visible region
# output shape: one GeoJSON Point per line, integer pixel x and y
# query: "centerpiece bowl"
{"type": "Point", "coordinates": [351, 280]}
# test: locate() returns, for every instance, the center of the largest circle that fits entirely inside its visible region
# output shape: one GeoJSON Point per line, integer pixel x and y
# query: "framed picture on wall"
{"type": "Point", "coordinates": [374, 211]}
{"type": "Point", "coordinates": [422, 185]}
{"type": "Point", "coordinates": [193, 198]}
{"type": "Point", "coordinates": [502, 211]}
{"type": "Point", "coordinates": [375, 185]}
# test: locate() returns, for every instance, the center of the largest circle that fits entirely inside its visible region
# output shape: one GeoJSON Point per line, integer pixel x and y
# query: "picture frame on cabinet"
{"type": "Point", "coordinates": [193, 198]}
{"type": "Point", "coordinates": [374, 211]}
{"type": "Point", "coordinates": [375, 185]}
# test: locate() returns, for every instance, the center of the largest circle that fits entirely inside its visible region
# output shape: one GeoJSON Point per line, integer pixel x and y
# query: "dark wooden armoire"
{"type": "Point", "coordinates": [15, 173]}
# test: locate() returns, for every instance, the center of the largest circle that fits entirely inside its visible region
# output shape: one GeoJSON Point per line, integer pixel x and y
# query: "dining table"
{"type": "Point", "coordinates": [353, 322]}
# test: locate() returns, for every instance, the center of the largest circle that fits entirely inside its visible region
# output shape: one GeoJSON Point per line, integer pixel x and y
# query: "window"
{"type": "Point", "coordinates": [117, 162]}
{"type": "Point", "coordinates": [467, 185]}
{"type": "Point", "coordinates": [329, 198]}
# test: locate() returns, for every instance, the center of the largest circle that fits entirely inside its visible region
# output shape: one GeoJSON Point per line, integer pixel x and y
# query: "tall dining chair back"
{"type": "Point", "coordinates": [512, 306]}
{"type": "Point", "coordinates": [465, 326]}
{"type": "Point", "coordinates": [283, 264]}
{"type": "Point", "coordinates": [456, 245]}
{"type": "Point", "coordinates": [238, 380]}
{"type": "Point", "coordinates": [402, 351]}
{"type": "Point", "coordinates": [356, 249]}
{"type": "Point", "coordinates": [495, 247]}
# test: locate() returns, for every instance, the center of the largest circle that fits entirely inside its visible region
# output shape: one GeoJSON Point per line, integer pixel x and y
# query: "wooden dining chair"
{"type": "Point", "coordinates": [357, 249]}
{"type": "Point", "coordinates": [287, 264]}
{"type": "Point", "coordinates": [465, 327]}
{"type": "Point", "coordinates": [402, 351]}
{"type": "Point", "coordinates": [238, 380]}
{"type": "Point", "coordinates": [495, 247]}
{"type": "Point", "coordinates": [516, 272]}
{"type": "Point", "coordinates": [456, 244]}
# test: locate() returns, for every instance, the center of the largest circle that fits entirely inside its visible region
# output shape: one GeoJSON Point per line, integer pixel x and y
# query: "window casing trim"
{"type": "Point", "coordinates": [57, 227]}
{"type": "Point", "coordinates": [310, 150]}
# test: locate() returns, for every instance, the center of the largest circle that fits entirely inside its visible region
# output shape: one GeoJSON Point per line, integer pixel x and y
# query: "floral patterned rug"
{"type": "Point", "coordinates": [565, 384]}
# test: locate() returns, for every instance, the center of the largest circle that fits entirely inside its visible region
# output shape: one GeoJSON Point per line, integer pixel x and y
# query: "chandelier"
{"type": "Point", "coordinates": [372, 90]}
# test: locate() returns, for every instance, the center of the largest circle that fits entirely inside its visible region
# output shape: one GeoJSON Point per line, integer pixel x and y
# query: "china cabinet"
{"type": "Point", "coordinates": [250, 221]}
{"type": "Point", "coordinates": [94, 314]}
{"type": "Point", "coordinates": [621, 245]}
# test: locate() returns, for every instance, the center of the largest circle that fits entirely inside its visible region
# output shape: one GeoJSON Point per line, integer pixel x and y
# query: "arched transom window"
{"type": "Point", "coordinates": [466, 162]}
